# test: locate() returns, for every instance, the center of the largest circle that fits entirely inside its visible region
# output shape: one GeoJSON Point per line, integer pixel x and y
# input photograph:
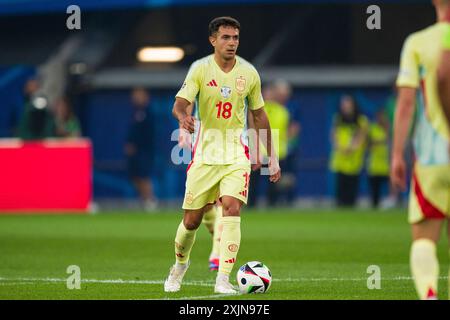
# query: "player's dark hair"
{"type": "Point", "coordinates": [216, 23]}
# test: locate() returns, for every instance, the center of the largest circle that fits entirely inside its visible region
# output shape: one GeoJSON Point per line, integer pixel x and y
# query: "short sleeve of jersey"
{"type": "Point", "coordinates": [191, 85]}
{"type": "Point", "coordinates": [408, 75]}
{"type": "Point", "coordinates": [255, 99]}
{"type": "Point", "coordinates": [446, 40]}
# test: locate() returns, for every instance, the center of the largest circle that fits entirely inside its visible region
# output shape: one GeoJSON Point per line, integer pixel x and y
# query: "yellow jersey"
{"type": "Point", "coordinates": [221, 102]}
{"type": "Point", "coordinates": [350, 163]}
{"type": "Point", "coordinates": [446, 42]}
{"type": "Point", "coordinates": [418, 69]}
{"type": "Point", "coordinates": [378, 162]}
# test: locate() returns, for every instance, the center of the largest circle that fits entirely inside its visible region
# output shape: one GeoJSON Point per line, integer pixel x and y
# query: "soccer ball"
{"type": "Point", "coordinates": [254, 277]}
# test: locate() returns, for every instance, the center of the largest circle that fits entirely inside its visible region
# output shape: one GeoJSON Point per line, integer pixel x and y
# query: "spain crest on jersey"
{"type": "Point", "coordinates": [240, 84]}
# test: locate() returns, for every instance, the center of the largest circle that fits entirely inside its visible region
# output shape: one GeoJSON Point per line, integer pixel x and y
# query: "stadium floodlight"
{"type": "Point", "coordinates": [39, 102]}
{"type": "Point", "coordinates": [160, 54]}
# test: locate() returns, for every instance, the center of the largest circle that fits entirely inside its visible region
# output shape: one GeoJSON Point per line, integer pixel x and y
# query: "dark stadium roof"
{"type": "Point", "coordinates": [276, 34]}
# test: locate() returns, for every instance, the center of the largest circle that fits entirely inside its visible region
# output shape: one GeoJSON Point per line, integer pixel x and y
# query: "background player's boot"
{"type": "Point", "coordinates": [176, 274]}
{"type": "Point", "coordinates": [431, 295]}
{"type": "Point", "coordinates": [213, 264]}
{"type": "Point", "coordinates": [223, 285]}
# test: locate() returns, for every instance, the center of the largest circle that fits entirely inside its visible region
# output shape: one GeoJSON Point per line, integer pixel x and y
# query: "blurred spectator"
{"type": "Point", "coordinates": [378, 162]}
{"type": "Point", "coordinates": [389, 108]}
{"type": "Point", "coordinates": [37, 121]}
{"type": "Point", "coordinates": [139, 148]}
{"type": "Point", "coordinates": [67, 125]}
{"type": "Point", "coordinates": [349, 140]}
{"type": "Point", "coordinates": [276, 95]}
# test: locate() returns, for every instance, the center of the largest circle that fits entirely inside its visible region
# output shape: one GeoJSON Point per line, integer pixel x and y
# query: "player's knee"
{"type": "Point", "coordinates": [231, 210]}
{"type": "Point", "coordinates": [191, 223]}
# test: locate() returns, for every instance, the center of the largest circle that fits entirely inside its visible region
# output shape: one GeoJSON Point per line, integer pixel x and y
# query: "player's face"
{"type": "Point", "coordinates": [226, 42]}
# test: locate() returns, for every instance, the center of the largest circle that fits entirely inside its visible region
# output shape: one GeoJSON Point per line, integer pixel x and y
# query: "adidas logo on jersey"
{"type": "Point", "coordinates": [232, 260]}
{"type": "Point", "coordinates": [212, 83]}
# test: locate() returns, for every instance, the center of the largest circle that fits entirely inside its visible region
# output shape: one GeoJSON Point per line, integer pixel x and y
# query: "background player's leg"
{"type": "Point", "coordinates": [231, 237]}
{"type": "Point", "coordinates": [448, 239]}
{"type": "Point", "coordinates": [423, 258]}
{"type": "Point", "coordinates": [211, 220]}
{"type": "Point", "coordinates": [214, 259]}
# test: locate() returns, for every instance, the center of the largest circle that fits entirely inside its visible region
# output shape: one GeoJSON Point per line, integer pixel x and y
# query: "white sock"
{"type": "Point", "coordinates": [181, 265]}
{"type": "Point", "coordinates": [424, 267]}
{"type": "Point", "coordinates": [223, 277]}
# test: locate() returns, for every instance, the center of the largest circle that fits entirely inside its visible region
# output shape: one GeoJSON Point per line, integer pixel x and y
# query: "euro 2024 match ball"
{"type": "Point", "coordinates": [254, 277]}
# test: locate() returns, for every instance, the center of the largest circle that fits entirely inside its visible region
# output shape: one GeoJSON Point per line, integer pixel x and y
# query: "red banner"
{"type": "Point", "coordinates": [45, 176]}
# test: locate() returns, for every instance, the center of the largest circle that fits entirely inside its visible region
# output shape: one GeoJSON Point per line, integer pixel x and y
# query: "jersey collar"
{"type": "Point", "coordinates": [218, 67]}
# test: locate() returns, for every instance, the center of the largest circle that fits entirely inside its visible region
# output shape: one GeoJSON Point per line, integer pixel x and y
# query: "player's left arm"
{"type": "Point", "coordinates": [407, 84]}
{"type": "Point", "coordinates": [404, 113]}
{"type": "Point", "coordinates": [444, 76]}
{"type": "Point", "coordinates": [261, 122]}
{"type": "Point", "coordinates": [255, 153]}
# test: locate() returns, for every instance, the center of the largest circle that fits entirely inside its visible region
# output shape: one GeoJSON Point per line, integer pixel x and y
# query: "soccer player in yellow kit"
{"type": "Point", "coordinates": [223, 86]}
{"type": "Point", "coordinates": [429, 202]}
{"type": "Point", "coordinates": [444, 71]}
{"type": "Point", "coordinates": [212, 214]}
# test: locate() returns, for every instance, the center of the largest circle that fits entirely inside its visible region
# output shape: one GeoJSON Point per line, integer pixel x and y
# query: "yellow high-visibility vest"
{"type": "Point", "coordinates": [348, 163]}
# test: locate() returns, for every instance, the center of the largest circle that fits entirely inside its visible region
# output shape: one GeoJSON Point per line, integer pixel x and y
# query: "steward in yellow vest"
{"type": "Point", "coordinates": [349, 138]}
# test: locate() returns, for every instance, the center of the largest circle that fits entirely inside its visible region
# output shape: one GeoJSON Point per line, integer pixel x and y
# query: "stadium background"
{"type": "Point", "coordinates": [322, 48]}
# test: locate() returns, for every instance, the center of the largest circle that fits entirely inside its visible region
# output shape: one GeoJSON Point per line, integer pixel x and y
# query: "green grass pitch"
{"type": "Point", "coordinates": [313, 254]}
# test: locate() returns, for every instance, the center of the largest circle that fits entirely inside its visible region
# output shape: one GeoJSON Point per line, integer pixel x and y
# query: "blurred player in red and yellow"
{"type": "Point", "coordinates": [444, 71]}
{"type": "Point", "coordinates": [223, 86]}
{"type": "Point", "coordinates": [429, 202]}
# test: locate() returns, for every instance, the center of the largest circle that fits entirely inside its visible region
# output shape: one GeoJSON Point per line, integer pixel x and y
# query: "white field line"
{"type": "Point", "coordinates": [114, 281]}
{"type": "Point", "coordinates": [4, 281]}
{"type": "Point", "coordinates": [398, 278]}
{"type": "Point", "coordinates": [213, 296]}
{"type": "Point", "coordinates": [11, 283]}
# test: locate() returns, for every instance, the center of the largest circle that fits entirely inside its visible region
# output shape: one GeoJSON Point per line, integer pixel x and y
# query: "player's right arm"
{"type": "Point", "coordinates": [186, 96]}
{"type": "Point", "coordinates": [180, 112]}
{"type": "Point", "coordinates": [444, 75]}
{"type": "Point", "coordinates": [407, 83]}
{"type": "Point", "coordinates": [184, 138]}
